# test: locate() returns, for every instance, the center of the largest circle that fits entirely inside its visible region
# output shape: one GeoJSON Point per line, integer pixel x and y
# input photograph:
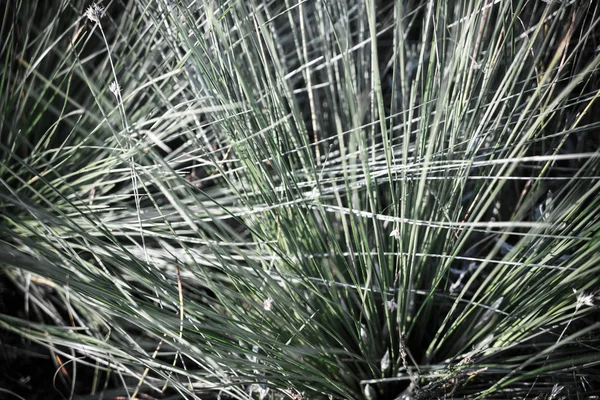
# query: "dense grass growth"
{"type": "Point", "coordinates": [300, 199]}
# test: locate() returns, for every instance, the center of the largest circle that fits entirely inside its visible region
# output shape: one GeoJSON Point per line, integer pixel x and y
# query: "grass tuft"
{"type": "Point", "coordinates": [301, 199]}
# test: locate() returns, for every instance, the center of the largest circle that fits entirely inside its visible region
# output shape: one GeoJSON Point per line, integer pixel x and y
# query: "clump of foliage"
{"type": "Point", "coordinates": [302, 199]}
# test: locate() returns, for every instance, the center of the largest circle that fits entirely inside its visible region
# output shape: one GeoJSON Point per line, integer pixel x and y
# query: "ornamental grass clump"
{"type": "Point", "coordinates": [355, 199]}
